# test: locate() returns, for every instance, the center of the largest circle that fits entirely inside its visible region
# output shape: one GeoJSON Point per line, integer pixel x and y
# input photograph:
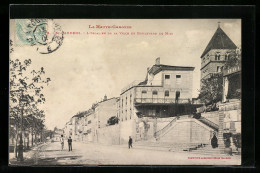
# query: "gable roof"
{"type": "Point", "coordinates": [157, 68]}
{"type": "Point", "coordinates": [220, 40]}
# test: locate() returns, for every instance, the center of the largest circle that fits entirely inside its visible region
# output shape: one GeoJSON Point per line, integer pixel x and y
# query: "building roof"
{"type": "Point", "coordinates": [81, 114]}
{"type": "Point", "coordinates": [157, 68]}
{"type": "Point", "coordinates": [220, 40]}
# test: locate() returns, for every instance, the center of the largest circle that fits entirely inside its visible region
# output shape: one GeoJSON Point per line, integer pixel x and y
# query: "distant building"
{"type": "Point", "coordinates": [103, 111]}
{"type": "Point", "coordinates": [84, 126]}
{"type": "Point", "coordinates": [68, 129]}
{"type": "Point", "coordinates": [218, 51]}
{"type": "Point", "coordinates": [57, 134]}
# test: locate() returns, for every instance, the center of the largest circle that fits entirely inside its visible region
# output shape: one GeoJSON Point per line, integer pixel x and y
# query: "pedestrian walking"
{"type": "Point", "coordinates": [62, 142]}
{"type": "Point", "coordinates": [70, 143]}
{"type": "Point", "coordinates": [130, 142]}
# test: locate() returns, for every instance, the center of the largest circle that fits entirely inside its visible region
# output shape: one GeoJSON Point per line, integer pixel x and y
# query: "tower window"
{"type": "Point", "coordinates": [217, 56]}
{"type": "Point", "coordinates": [217, 68]}
{"type": "Point", "coordinates": [178, 76]}
{"type": "Point", "coordinates": [227, 56]}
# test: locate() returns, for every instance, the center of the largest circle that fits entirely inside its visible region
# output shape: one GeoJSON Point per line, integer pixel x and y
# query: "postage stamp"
{"type": "Point", "coordinates": [39, 33]}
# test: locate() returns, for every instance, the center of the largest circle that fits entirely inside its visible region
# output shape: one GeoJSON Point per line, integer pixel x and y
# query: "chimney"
{"type": "Point", "coordinates": [105, 98]}
{"type": "Point", "coordinates": [157, 61]}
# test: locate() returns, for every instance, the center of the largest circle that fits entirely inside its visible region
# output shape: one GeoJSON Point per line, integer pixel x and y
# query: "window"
{"type": "Point", "coordinates": [178, 94]}
{"type": "Point", "coordinates": [178, 79]}
{"type": "Point", "coordinates": [217, 56]}
{"type": "Point", "coordinates": [167, 76]}
{"type": "Point", "coordinates": [218, 69]}
{"type": "Point", "coordinates": [167, 79]}
{"type": "Point", "coordinates": [166, 93]}
{"type": "Point", "coordinates": [89, 121]}
{"type": "Point", "coordinates": [227, 56]}
{"type": "Point", "coordinates": [155, 92]}
{"type": "Point", "coordinates": [208, 57]}
{"type": "Point", "coordinates": [144, 92]}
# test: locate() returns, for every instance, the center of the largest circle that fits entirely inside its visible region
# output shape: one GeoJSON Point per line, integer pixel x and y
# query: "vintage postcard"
{"type": "Point", "coordinates": [125, 92]}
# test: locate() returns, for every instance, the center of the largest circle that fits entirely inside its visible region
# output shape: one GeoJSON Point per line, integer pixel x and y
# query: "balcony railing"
{"type": "Point", "coordinates": [161, 100]}
{"type": "Point", "coordinates": [231, 70]}
{"type": "Point", "coordinates": [142, 83]}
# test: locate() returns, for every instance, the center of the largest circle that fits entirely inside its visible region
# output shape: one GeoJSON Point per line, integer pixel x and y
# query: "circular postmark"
{"type": "Point", "coordinates": [45, 34]}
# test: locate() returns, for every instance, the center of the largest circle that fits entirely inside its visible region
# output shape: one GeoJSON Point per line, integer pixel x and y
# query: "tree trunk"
{"type": "Point", "coordinates": [35, 138]}
{"type": "Point", "coordinates": [16, 140]}
{"type": "Point", "coordinates": [32, 137]}
{"type": "Point", "coordinates": [41, 136]}
{"type": "Point", "coordinates": [24, 142]}
{"type": "Point", "coordinates": [15, 146]}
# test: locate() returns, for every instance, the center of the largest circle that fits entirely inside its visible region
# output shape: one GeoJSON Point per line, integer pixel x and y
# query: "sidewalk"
{"type": "Point", "coordinates": [29, 156]}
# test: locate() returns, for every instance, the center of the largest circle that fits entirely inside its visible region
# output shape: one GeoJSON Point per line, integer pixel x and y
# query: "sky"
{"type": "Point", "coordinates": [87, 67]}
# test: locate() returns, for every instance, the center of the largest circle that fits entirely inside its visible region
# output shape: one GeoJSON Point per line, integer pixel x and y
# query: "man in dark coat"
{"type": "Point", "coordinates": [70, 143]}
{"type": "Point", "coordinates": [214, 141]}
{"type": "Point", "coordinates": [130, 142]}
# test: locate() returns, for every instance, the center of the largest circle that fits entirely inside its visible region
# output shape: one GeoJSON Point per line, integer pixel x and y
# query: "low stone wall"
{"type": "Point", "coordinates": [126, 129]}
{"type": "Point", "coordinates": [109, 135]}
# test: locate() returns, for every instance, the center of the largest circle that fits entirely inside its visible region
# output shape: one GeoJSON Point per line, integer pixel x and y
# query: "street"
{"type": "Point", "coordinates": [97, 154]}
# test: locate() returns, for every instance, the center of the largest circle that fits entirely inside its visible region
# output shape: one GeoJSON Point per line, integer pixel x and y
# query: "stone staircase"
{"type": "Point", "coordinates": [203, 120]}
{"type": "Point", "coordinates": [163, 146]}
{"type": "Point", "coordinates": [205, 149]}
{"type": "Point", "coordinates": [197, 148]}
{"type": "Point", "coordinates": [209, 123]}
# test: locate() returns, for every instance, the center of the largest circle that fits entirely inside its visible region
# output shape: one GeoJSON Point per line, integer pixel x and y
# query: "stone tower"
{"type": "Point", "coordinates": [217, 52]}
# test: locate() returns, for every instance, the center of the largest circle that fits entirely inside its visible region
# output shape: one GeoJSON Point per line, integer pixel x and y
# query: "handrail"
{"type": "Point", "coordinates": [208, 122]}
{"type": "Point", "coordinates": [158, 133]}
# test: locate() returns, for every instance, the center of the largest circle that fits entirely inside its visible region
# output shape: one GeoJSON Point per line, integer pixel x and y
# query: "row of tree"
{"type": "Point", "coordinates": [25, 115]}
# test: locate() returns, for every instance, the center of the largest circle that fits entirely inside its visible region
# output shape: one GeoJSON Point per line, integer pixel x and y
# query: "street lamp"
{"type": "Point", "coordinates": [20, 147]}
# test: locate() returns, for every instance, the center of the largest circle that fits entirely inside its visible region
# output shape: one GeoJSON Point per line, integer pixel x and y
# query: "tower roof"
{"type": "Point", "coordinates": [220, 40]}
